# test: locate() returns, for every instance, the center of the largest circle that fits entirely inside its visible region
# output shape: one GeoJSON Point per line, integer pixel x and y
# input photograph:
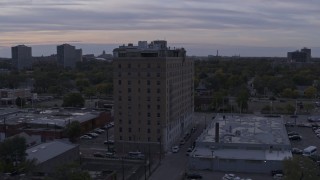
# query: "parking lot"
{"type": "Point", "coordinates": [309, 138]}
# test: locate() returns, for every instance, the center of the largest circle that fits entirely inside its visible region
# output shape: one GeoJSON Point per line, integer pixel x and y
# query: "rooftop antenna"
{"type": "Point", "coordinates": [217, 53]}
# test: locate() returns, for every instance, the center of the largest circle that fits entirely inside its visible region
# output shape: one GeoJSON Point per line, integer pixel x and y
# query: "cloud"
{"type": "Point", "coordinates": [250, 22]}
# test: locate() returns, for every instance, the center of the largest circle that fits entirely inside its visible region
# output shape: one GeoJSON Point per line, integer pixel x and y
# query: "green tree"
{"type": "Point", "coordinates": [71, 171]}
{"type": "Point", "coordinates": [73, 100]}
{"type": "Point", "coordinates": [310, 92]}
{"type": "Point", "coordinates": [73, 130]}
{"type": "Point", "coordinates": [290, 109]}
{"type": "Point", "coordinates": [12, 153]}
{"type": "Point", "coordinates": [242, 99]}
{"type": "Point", "coordinates": [300, 167]}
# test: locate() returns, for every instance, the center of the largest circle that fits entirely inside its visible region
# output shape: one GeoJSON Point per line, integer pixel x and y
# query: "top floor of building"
{"type": "Point", "coordinates": [156, 48]}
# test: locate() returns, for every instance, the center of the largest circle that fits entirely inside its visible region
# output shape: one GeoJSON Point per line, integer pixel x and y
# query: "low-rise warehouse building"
{"type": "Point", "coordinates": [51, 155]}
{"type": "Point", "coordinates": [49, 124]}
{"type": "Point", "coordinates": [242, 144]}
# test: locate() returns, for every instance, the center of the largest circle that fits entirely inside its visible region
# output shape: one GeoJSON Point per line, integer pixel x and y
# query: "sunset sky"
{"type": "Point", "coordinates": [245, 27]}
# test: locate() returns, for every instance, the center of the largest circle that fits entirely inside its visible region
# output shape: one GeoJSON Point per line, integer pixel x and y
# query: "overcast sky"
{"type": "Point", "coordinates": [245, 27]}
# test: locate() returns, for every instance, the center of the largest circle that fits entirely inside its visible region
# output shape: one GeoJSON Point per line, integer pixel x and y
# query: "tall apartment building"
{"type": "Point", "coordinates": [153, 95]}
{"type": "Point", "coordinates": [21, 57]}
{"type": "Point", "coordinates": [68, 55]}
{"type": "Point", "coordinates": [304, 55]}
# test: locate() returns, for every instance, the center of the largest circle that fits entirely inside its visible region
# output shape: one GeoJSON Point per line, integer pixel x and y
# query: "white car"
{"type": "Point", "coordinates": [175, 149]}
{"type": "Point", "coordinates": [85, 137]}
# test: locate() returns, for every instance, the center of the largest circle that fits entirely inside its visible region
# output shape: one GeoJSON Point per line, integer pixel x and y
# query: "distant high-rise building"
{"type": "Point", "coordinates": [307, 51]}
{"type": "Point", "coordinates": [21, 57]}
{"type": "Point", "coordinates": [153, 94]}
{"type": "Point", "coordinates": [68, 55]}
{"type": "Point", "coordinates": [300, 56]}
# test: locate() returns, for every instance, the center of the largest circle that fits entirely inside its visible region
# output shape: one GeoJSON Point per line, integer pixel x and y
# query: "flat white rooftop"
{"type": "Point", "coordinates": [243, 154]}
{"type": "Point", "coordinates": [247, 129]}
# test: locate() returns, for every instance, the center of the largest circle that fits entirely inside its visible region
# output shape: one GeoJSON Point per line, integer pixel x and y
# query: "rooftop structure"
{"type": "Point", "coordinates": [243, 144]}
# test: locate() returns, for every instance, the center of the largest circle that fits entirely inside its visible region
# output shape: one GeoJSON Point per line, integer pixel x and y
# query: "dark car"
{"type": "Point", "coordinates": [292, 133]}
{"type": "Point", "coordinates": [193, 176]}
{"type": "Point", "coordinates": [274, 172]}
{"type": "Point", "coordinates": [295, 137]}
{"type": "Point", "coordinates": [98, 154]}
{"type": "Point", "coordinates": [296, 151]}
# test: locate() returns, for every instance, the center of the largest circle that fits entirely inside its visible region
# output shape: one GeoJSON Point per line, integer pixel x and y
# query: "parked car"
{"type": "Point", "coordinates": [277, 176]}
{"type": "Point", "coordinates": [85, 137]}
{"type": "Point", "coordinates": [292, 133]}
{"type": "Point", "coordinates": [110, 154]}
{"type": "Point", "coordinates": [193, 176]}
{"type": "Point", "coordinates": [276, 172]}
{"type": "Point", "coordinates": [136, 155]}
{"type": "Point", "coordinates": [296, 151]}
{"type": "Point", "coordinates": [182, 142]}
{"type": "Point", "coordinates": [98, 154]}
{"type": "Point", "coordinates": [99, 130]}
{"type": "Point", "coordinates": [92, 134]}
{"type": "Point", "coordinates": [175, 149]}
{"type": "Point", "coordinates": [110, 142]}
{"type": "Point", "coordinates": [189, 150]}
{"type": "Point", "coordinates": [295, 137]}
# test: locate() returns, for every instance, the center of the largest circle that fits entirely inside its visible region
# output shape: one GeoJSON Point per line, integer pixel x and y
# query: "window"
{"type": "Point", "coordinates": [138, 89]}
{"type": "Point", "coordinates": [129, 90]}
{"type": "Point", "coordinates": [149, 122]}
{"type": "Point", "coordinates": [129, 65]}
{"type": "Point", "coordinates": [158, 114]}
{"type": "Point", "coordinates": [120, 98]}
{"type": "Point", "coordinates": [158, 106]}
{"type": "Point", "coordinates": [148, 66]}
{"type": "Point", "coordinates": [129, 82]}
{"type": "Point", "coordinates": [129, 138]}
{"type": "Point", "coordinates": [119, 66]}
{"type": "Point", "coordinates": [149, 106]}
{"type": "Point", "coordinates": [148, 82]}
{"type": "Point", "coordinates": [129, 122]}
{"type": "Point", "coordinates": [149, 114]}
{"type": "Point", "coordinates": [148, 90]}
{"type": "Point", "coordinates": [149, 131]}
{"type": "Point", "coordinates": [120, 138]}
{"type": "Point", "coordinates": [129, 130]}
{"type": "Point", "coordinates": [119, 82]}
{"type": "Point", "coordinates": [120, 121]}
{"type": "Point", "coordinates": [120, 129]}
{"type": "Point", "coordinates": [148, 98]}
{"type": "Point", "coordinates": [149, 139]}
{"type": "Point", "coordinates": [148, 74]}
{"type": "Point", "coordinates": [158, 90]}
{"type": "Point", "coordinates": [129, 98]}
{"type": "Point", "coordinates": [158, 99]}
{"type": "Point", "coordinates": [119, 75]}
{"type": "Point", "coordinates": [158, 82]}
{"type": "Point", "coordinates": [158, 131]}
{"type": "Point", "coordinates": [158, 74]}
